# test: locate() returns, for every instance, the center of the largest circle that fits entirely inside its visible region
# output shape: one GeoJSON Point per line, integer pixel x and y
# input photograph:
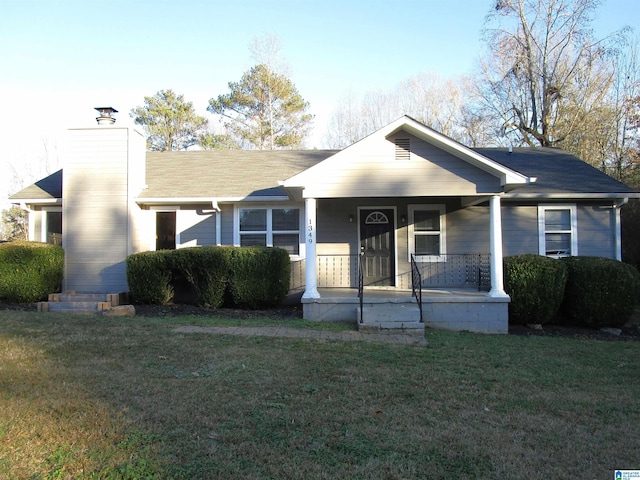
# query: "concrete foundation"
{"type": "Point", "coordinates": [463, 310]}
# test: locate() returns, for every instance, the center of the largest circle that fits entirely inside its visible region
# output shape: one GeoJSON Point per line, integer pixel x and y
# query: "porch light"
{"type": "Point", "coordinates": [106, 115]}
{"type": "Point", "coordinates": [350, 218]}
{"type": "Point", "coordinates": [403, 219]}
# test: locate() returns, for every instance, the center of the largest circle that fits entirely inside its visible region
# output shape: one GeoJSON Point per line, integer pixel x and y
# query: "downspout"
{"type": "Point", "coordinates": [617, 226]}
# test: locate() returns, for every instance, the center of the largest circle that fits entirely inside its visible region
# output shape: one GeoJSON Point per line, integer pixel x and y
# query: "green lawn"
{"type": "Point", "coordinates": [91, 398]}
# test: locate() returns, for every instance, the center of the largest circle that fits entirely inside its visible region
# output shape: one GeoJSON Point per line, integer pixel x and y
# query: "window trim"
{"type": "Point", "coordinates": [411, 247]}
{"type": "Point", "coordinates": [542, 232]}
{"type": "Point", "coordinates": [269, 231]}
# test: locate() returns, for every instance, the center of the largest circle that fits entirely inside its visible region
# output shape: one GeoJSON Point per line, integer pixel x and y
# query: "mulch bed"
{"type": "Point", "coordinates": [631, 332]}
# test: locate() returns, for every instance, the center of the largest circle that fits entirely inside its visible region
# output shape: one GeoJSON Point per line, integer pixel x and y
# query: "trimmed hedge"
{"type": "Point", "coordinates": [30, 271]}
{"type": "Point", "coordinates": [536, 285]}
{"type": "Point", "coordinates": [149, 277]}
{"type": "Point", "coordinates": [600, 292]}
{"type": "Point", "coordinates": [205, 270]}
{"type": "Point", "coordinates": [247, 277]}
{"type": "Point", "coordinates": [258, 277]}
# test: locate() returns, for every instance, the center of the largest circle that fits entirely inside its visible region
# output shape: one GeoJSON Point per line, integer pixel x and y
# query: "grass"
{"type": "Point", "coordinates": [89, 398]}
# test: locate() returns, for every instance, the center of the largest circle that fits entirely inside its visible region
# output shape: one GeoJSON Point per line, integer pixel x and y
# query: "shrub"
{"type": "Point", "coordinates": [258, 276]}
{"type": "Point", "coordinates": [149, 277]}
{"type": "Point", "coordinates": [600, 291]}
{"type": "Point", "coordinates": [536, 285]}
{"type": "Point", "coordinates": [242, 277]}
{"type": "Point", "coordinates": [206, 270]}
{"type": "Point", "coordinates": [29, 271]}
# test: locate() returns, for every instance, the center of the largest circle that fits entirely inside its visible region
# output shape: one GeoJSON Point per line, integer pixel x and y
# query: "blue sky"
{"type": "Point", "coordinates": [61, 58]}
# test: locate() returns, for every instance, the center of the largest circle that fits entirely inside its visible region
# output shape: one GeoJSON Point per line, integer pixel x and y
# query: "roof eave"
{"type": "Point", "coordinates": [35, 201]}
{"type": "Point", "coordinates": [205, 200]}
{"type": "Point", "coordinates": [570, 196]}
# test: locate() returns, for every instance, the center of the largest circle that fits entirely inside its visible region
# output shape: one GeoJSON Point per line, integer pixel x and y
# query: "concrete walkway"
{"type": "Point", "coordinates": [413, 339]}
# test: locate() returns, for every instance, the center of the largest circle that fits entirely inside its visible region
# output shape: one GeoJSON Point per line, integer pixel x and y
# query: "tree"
{"type": "Point", "coordinates": [429, 98]}
{"type": "Point", "coordinates": [15, 222]}
{"type": "Point", "coordinates": [265, 110]}
{"type": "Point", "coordinates": [215, 141]}
{"type": "Point", "coordinates": [544, 73]}
{"type": "Point", "coordinates": [169, 121]}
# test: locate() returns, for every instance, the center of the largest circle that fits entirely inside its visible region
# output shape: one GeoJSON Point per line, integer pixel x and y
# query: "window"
{"type": "Point", "coordinates": [272, 227]}
{"type": "Point", "coordinates": [51, 226]}
{"type": "Point", "coordinates": [54, 228]}
{"type": "Point", "coordinates": [557, 230]}
{"type": "Point", "coordinates": [427, 232]}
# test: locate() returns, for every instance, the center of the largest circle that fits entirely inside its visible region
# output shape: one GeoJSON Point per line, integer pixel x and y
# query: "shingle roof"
{"type": "Point", "coordinates": [225, 173]}
{"type": "Point", "coordinates": [241, 173]}
{"type": "Point", "coordinates": [46, 189]}
{"type": "Point", "coordinates": [557, 172]}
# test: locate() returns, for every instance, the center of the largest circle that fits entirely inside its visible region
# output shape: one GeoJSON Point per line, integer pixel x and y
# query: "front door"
{"type": "Point", "coordinates": [165, 230]}
{"type": "Point", "coordinates": [378, 246]}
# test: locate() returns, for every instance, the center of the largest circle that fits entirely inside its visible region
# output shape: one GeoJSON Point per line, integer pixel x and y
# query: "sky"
{"type": "Point", "coordinates": [61, 58]}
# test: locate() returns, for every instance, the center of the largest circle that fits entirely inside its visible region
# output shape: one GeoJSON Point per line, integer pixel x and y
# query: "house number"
{"type": "Point", "coordinates": [310, 232]}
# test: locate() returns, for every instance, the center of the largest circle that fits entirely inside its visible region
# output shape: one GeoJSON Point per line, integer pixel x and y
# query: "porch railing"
{"type": "Point", "coordinates": [338, 270]}
{"type": "Point", "coordinates": [332, 271]}
{"type": "Point", "coordinates": [450, 271]}
{"type": "Point", "coordinates": [416, 284]}
{"type": "Point", "coordinates": [457, 271]}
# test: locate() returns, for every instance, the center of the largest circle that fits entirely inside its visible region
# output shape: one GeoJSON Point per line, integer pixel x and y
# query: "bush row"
{"type": "Point", "coordinates": [587, 291]}
{"type": "Point", "coordinates": [29, 271]}
{"type": "Point", "coordinates": [247, 277]}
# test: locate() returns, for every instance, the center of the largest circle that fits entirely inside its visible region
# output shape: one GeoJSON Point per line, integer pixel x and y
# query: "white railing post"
{"type": "Point", "coordinates": [497, 274]}
{"type": "Point", "coordinates": [311, 278]}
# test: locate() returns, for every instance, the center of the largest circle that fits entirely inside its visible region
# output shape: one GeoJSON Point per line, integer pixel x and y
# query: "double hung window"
{"type": "Point", "coordinates": [427, 232]}
{"type": "Point", "coordinates": [557, 230]}
{"type": "Point", "coordinates": [270, 227]}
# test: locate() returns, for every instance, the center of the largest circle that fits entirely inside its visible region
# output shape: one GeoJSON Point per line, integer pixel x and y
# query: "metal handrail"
{"type": "Point", "coordinates": [416, 284]}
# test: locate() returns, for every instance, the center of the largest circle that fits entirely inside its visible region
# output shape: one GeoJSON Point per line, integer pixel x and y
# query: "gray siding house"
{"type": "Point", "coordinates": [404, 203]}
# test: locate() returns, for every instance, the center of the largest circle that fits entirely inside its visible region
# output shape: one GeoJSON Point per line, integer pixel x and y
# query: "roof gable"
{"type": "Point", "coordinates": [369, 167]}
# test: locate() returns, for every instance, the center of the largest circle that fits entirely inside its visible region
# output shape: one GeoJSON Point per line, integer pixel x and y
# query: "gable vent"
{"type": "Point", "coordinates": [403, 149]}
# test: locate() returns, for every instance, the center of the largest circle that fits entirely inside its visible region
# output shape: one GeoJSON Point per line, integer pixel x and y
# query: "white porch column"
{"type": "Point", "coordinates": [497, 274]}
{"type": "Point", "coordinates": [311, 278]}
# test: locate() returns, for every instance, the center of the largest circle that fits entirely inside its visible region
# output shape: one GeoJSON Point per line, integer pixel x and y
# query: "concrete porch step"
{"type": "Point", "coordinates": [390, 316]}
{"type": "Point", "coordinates": [73, 307]}
{"type": "Point", "coordinates": [112, 298]}
{"type": "Point", "coordinates": [72, 302]}
{"type": "Point", "coordinates": [391, 327]}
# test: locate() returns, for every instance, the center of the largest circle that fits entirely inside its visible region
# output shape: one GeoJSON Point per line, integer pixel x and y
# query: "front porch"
{"type": "Point", "coordinates": [442, 308]}
{"type": "Point", "coordinates": [456, 295]}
